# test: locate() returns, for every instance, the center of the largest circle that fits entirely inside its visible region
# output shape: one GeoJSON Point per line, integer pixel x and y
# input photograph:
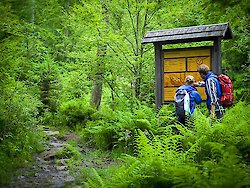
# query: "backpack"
{"type": "Point", "coordinates": [227, 96]}
{"type": "Point", "coordinates": [182, 103]}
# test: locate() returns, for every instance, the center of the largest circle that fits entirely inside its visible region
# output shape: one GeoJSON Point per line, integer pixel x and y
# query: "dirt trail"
{"type": "Point", "coordinates": [46, 170]}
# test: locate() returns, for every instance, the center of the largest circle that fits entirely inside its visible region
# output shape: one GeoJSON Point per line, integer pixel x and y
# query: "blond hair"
{"type": "Point", "coordinates": [189, 80]}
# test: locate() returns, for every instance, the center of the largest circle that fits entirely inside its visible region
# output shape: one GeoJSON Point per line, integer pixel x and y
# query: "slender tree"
{"type": "Point", "coordinates": [96, 94]}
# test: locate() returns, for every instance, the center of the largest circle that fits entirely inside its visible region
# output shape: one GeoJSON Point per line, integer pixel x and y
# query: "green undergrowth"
{"type": "Point", "coordinates": [208, 154]}
{"type": "Point", "coordinates": [105, 128]}
{"type": "Point", "coordinates": [17, 149]}
{"type": "Point", "coordinates": [149, 149]}
{"type": "Point", "coordinates": [19, 136]}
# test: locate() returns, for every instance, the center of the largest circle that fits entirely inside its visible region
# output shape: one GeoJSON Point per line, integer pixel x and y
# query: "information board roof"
{"type": "Point", "coordinates": [189, 34]}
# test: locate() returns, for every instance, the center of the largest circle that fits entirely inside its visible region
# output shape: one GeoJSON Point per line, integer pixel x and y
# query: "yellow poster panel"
{"type": "Point", "coordinates": [175, 65]}
{"type": "Point", "coordinates": [174, 79]}
{"type": "Point", "coordinates": [169, 93]}
{"type": "Point", "coordinates": [195, 62]}
{"type": "Point", "coordinates": [201, 91]}
{"type": "Point", "coordinates": [187, 53]}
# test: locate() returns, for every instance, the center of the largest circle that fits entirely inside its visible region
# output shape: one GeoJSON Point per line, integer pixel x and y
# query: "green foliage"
{"type": "Point", "coordinates": [52, 51]}
{"type": "Point", "coordinates": [236, 54]}
{"type": "Point", "coordinates": [17, 148]}
{"type": "Point", "coordinates": [94, 180]}
{"type": "Point", "coordinates": [18, 135]}
{"type": "Point", "coordinates": [203, 156]}
{"type": "Point", "coordinates": [74, 84]}
{"type": "Point", "coordinates": [18, 108]}
{"type": "Point", "coordinates": [69, 152]}
{"type": "Point", "coordinates": [74, 112]}
{"type": "Point", "coordinates": [111, 129]}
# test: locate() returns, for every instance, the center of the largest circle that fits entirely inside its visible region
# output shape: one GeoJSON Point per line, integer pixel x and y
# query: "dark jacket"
{"type": "Point", "coordinates": [193, 95]}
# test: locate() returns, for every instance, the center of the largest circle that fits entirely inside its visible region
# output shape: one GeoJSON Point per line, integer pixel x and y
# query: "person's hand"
{"type": "Point", "coordinates": [196, 84]}
{"type": "Point", "coordinates": [199, 84]}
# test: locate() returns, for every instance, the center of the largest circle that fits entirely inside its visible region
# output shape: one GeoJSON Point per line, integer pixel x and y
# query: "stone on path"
{"type": "Point", "coordinates": [51, 133]}
{"type": "Point", "coordinates": [47, 171]}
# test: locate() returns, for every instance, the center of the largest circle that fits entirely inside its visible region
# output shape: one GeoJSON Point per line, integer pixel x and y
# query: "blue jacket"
{"type": "Point", "coordinates": [213, 90]}
{"type": "Point", "coordinates": [193, 95]}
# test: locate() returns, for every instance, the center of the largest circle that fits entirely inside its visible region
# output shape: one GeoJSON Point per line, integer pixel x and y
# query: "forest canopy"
{"type": "Point", "coordinates": [80, 63]}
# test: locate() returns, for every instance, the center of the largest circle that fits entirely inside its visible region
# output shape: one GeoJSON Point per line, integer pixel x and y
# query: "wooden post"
{"type": "Point", "coordinates": [216, 56]}
{"type": "Point", "coordinates": [159, 85]}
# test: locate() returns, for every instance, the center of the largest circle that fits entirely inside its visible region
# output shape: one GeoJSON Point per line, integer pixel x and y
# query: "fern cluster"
{"type": "Point", "coordinates": [112, 129]}
{"type": "Point", "coordinates": [107, 128]}
{"type": "Point", "coordinates": [206, 155]}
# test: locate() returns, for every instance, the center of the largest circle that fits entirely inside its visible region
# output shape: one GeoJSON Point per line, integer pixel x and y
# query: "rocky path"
{"type": "Point", "coordinates": [47, 170]}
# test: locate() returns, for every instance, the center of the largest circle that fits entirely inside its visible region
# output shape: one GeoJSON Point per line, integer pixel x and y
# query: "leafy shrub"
{"type": "Point", "coordinates": [18, 134]}
{"type": "Point", "coordinates": [72, 88]}
{"type": "Point", "coordinates": [203, 156]}
{"type": "Point", "coordinates": [73, 112]}
{"type": "Point", "coordinates": [109, 129]}
{"type": "Point", "coordinates": [68, 152]}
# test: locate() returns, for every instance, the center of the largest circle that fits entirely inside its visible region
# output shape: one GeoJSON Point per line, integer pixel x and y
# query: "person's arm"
{"type": "Point", "coordinates": [197, 97]}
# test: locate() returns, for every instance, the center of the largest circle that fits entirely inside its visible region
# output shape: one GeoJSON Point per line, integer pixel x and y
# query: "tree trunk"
{"type": "Point", "coordinates": [96, 94]}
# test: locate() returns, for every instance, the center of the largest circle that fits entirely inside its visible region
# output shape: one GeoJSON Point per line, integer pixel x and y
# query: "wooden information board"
{"type": "Point", "coordinates": [179, 63]}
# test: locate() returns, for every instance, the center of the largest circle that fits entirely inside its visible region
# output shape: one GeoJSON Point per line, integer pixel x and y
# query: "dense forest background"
{"type": "Point", "coordinates": [80, 64]}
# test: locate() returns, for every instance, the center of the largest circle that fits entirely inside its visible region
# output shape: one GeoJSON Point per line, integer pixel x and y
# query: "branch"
{"type": "Point", "coordinates": [153, 13]}
{"type": "Point", "coordinates": [136, 34]}
{"type": "Point", "coordinates": [132, 45]}
{"type": "Point", "coordinates": [111, 87]}
{"type": "Point", "coordinates": [145, 21]}
{"type": "Point", "coordinates": [131, 18]}
{"type": "Point", "coordinates": [125, 55]}
{"type": "Point", "coordinates": [122, 60]}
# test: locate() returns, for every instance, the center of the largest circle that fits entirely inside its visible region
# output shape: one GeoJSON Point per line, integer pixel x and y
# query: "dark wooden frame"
{"type": "Point", "coordinates": [213, 32]}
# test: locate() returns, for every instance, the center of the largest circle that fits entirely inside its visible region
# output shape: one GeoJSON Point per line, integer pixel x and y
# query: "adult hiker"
{"type": "Point", "coordinates": [213, 91]}
{"type": "Point", "coordinates": [185, 99]}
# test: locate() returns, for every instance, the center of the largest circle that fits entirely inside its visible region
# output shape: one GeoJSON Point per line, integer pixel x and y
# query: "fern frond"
{"type": "Point", "coordinates": [95, 180]}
